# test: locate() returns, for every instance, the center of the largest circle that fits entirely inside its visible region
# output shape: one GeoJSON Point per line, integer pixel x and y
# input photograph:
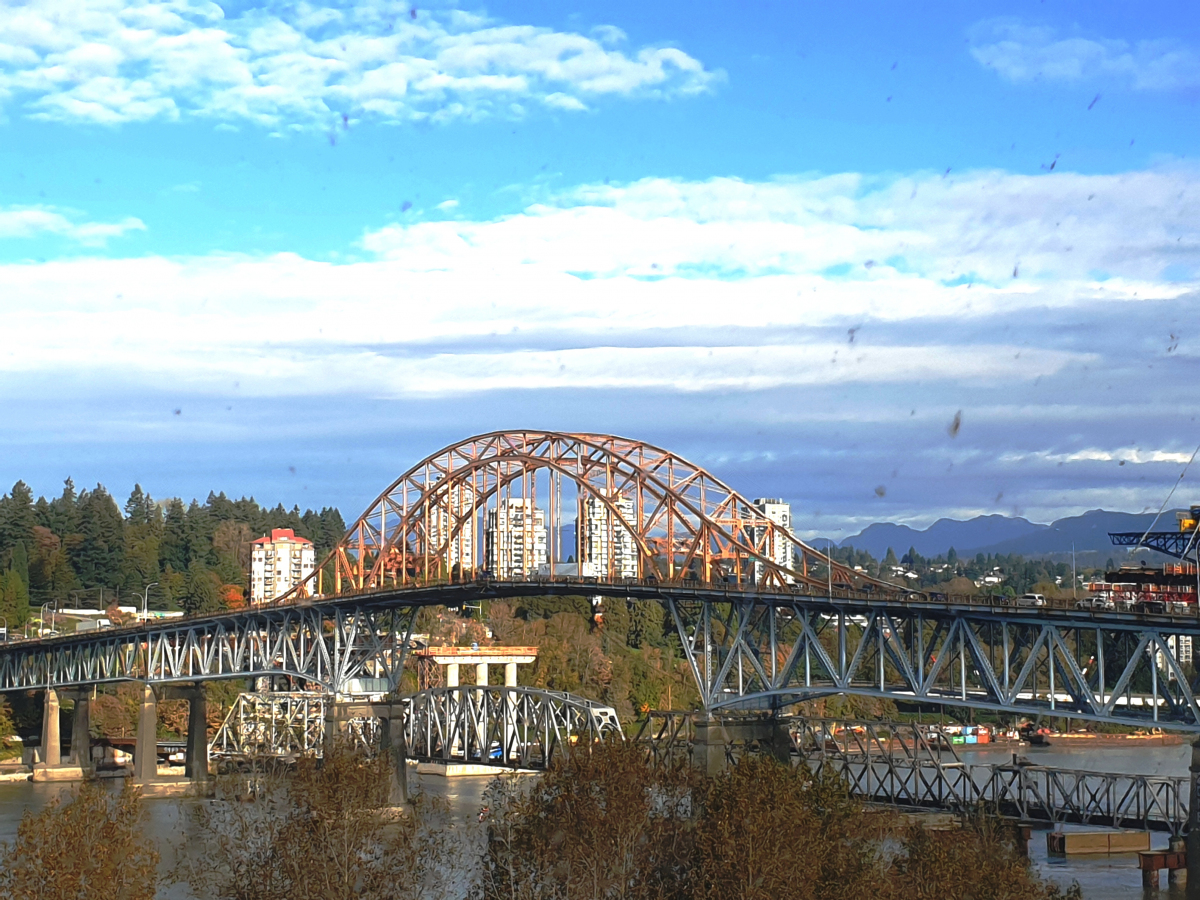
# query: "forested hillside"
{"type": "Point", "coordinates": [83, 549]}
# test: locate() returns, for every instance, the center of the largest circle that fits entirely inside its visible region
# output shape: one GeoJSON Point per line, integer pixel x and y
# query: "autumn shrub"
{"type": "Point", "coordinates": [768, 830]}
{"type": "Point", "coordinates": [88, 842]}
{"type": "Point", "coordinates": [977, 860]}
{"type": "Point", "coordinates": [597, 824]}
{"type": "Point", "coordinates": [322, 831]}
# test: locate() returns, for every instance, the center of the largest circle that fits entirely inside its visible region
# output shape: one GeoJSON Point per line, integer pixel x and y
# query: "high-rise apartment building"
{"type": "Point", "coordinates": [516, 538]}
{"type": "Point", "coordinates": [278, 563]}
{"type": "Point", "coordinates": [456, 503]}
{"type": "Point", "coordinates": [606, 547]}
{"type": "Point", "coordinates": [781, 552]}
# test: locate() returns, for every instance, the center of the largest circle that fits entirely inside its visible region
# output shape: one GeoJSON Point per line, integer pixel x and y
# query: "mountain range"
{"type": "Point", "coordinates": [1006, 534]}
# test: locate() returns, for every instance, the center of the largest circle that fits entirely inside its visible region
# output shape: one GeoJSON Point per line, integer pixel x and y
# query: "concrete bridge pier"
{"type": "Point", "coordinates": [713, 735]}
{"type": "Point", "coordinates": [145, 752]}
{"type": "Point", "coordinates": [51, 736]}
{"type": "Point", "coordinates": [196, 764]}
{"type": "Point", "coordinates": [81, 727]}
{"type": "Point", "coordinates": [396, 746]}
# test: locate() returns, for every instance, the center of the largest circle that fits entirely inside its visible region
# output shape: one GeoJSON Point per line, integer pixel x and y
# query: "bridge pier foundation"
{"type": "Point", "coordinates": [51, 736]}
{"type": "Point", "coordinates": [395, 745]}
{"type": "Point", "coordinates": [81, 726]}
{"type": "Point", "coordinates": [145, 752]}
{"type": "Point", "coordinates": [196, 761]}
{"type": "Point", "coordinates": [714, 735]}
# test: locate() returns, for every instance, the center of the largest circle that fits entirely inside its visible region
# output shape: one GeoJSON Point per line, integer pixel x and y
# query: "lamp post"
{"type": "Point", "coordinates": [42, 618]}
{"type": "Point", "coordinates": [145, 595]}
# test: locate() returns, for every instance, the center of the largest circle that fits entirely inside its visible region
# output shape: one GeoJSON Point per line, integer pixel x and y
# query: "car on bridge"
{"type": "Point", "coordinates": [1097, 604]}
{"type": "Point", "coordinates": [1030, 600]}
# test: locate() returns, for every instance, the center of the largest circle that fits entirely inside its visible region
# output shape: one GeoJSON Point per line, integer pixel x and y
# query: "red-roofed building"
{"type": "Point", "coordinates": [278, 563]}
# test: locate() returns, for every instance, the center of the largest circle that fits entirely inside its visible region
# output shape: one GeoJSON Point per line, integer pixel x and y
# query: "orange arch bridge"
{"type": "Point", "coordinates": [496, 505]}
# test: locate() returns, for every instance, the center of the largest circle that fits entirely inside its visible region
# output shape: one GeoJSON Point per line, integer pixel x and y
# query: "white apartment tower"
{"type": "Point", "coordinates": [456, 504]}
{"type": "Point", "coordinates": [781, 553]}
{"type": "Point", "coordinates": [606, 547]}
{"type": "Point", "coordinates": [278, 563]}
{"type": "Point", "coordinates": [516, 538]}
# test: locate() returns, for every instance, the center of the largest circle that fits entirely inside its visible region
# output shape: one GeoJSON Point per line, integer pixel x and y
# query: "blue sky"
{"type": "Point", "coordinates": [789, 241]}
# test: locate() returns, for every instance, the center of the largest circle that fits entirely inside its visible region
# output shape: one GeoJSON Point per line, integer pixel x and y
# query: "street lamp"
{"type": "Point", "coordinates": [145, 595]}
{"type": "Point", "coordinates": [42, 618]}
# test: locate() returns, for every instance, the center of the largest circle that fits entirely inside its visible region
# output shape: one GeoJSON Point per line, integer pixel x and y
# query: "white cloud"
{"type": "Point", "coordinates": [1025, 53]}
{"type": "Point", "coordinates": [304, 65]}
{"type": "Point", "coordinates": [33, 221]}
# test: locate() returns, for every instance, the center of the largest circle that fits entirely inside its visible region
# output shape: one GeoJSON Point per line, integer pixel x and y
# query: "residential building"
{"type": "Point", "coordinates": [516, 538]}
{"type": "Point", "coordinates": [781, 549]}
{"type": "Point", "coordinates": [456, 503]}
{"type": "Point", "coordinates": [606, 546]}
{"type": "Point", "coordinates": [278, 563]}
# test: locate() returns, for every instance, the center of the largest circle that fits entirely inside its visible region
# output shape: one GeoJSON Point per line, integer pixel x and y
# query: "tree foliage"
{"type": "Point", "coordinates": [87, 843]}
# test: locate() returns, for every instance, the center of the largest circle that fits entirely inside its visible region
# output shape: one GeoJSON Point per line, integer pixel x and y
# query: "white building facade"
{"type": "Point", "coordinates": [516, 538]}
{"type": "Point", "coordinates": [278, 563]}
{"type": "Point", "coordinates": [782, 550]}
{"type": "Point", "coordinates": [606, 546]}
{"type": "Point", "coordinates": [456, 504]}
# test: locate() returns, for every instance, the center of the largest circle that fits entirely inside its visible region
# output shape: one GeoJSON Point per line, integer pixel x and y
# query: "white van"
{"type": "Point", "coordinates": [1030, 600]}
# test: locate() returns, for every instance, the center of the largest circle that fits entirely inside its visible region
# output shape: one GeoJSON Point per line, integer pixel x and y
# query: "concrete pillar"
{"type": "Point", "coordinates": [145, 752]}
{"type": "Point", "coordinates": [510, 674]}
{"type": "Point", "coordinates": [1193, 829]}
{"type": "Point", "coordinates": [481, 674]}
{"type": "Point", "coordinates": [452, 675]}
{"type": "Point", "coordinates": [332, 731]}
{"type": "Point", "coordinates": [708, 745]}
{"type": "Point", "coordinates": [196, 765]}
{"type": "Point", "coordinates": [1177, 877]}
{"type": "Point", "coordinates": [51, 738]}
{"type": "Point", "coordinates": [81, 726]}
{"type": "Point", "coordinates": [395, 744]}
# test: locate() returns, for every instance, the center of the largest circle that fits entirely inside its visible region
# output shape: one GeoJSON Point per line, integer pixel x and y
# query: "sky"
{"type": "Point", "coordinates": [886, 263]}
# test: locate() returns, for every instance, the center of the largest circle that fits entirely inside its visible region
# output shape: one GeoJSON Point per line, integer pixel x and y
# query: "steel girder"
{"type": "Point", "coordinates": [754, 654]}
{"type": "Point", "coordinates": [326, 645]}
{"type": "Point", "coordinates": [909, 765]}
{"type": "Point", "coordinates": [274, 723]}
{"type": "Point", "coordinates": [516, 727]}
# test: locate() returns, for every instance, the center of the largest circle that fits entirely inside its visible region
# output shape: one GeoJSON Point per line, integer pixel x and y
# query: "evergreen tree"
{"type": "Point", "coordinates": [20, 561]}
{"type": "Point", "coordinates": [17, 517]}
{"type": "Point", "coordinates": [646, 625]}
{"type": "Point", "coordinates": [61, 515]}
{"type": "Point", "coordinates": [98, 554]}
{"type": "Point", "coordinates": [890, 558]}
{"type": "Point", "coordinates": [173, 550]}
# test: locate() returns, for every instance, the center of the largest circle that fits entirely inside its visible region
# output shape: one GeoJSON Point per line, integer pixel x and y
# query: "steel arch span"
{"type": "Point", "coordinates": [649, 516]}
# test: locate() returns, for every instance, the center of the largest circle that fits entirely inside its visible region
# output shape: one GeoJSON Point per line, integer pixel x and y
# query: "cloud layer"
{"type": "Point", "coordinates": [35, 221]}
{"type": "Point", "coordinates": [301, 66]}
{"type": "Point", "coordinates": [1024, 53]}
{"type": "Point", "coordinates": [837, 324]}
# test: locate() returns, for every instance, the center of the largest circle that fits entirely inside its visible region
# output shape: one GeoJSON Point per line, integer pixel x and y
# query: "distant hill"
{"type": "Point", "coordinates": [1087, 532]}
{"type": "Point", "coordinates": [941, 535]}
{"type": "Point", "coordinates": [1006, 535]}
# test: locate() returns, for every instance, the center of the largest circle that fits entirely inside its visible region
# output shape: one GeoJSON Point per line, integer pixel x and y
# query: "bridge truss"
{"type": "Point", "coordinates": [915, 766]}
{"type": "Point", "coordinates": [651, 516]}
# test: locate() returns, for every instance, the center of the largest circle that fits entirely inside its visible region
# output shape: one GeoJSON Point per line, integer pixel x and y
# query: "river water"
{"type": "Point", "coordinates": [1101, 878]}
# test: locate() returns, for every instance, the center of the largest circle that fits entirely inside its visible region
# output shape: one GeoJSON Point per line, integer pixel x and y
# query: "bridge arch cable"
{"type": "Point", "coordinates": [686, 524]}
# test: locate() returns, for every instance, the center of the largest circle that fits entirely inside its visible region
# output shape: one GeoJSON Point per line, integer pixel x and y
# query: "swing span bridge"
{"type": "Point", "coordinates": [763, 619]}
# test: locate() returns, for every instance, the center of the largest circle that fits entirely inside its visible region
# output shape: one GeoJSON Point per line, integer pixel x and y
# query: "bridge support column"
{"type": "Point", "coordinates": [81, 726]}
{"type": "Point", "coordinates": [196, 764]}
{"type": "Point", "coordinates": [145, 752]}
{"type": "Point", "coordinates": [51, 737]}
{"type": "Point", "coordinates": [510, 674]}
{"type": "Point", "coordinates": [332, 730]}
{"type": "Point", "coordinates": [713, 735]}
{"type": "Point", "coordinates": [452, 675]}
{"type": "Point", "coordinates": [481, 674]}
{"type": "Point", "coordinates": [396, 746]}
{"type": "Point", "coordinates": [1193, 825]}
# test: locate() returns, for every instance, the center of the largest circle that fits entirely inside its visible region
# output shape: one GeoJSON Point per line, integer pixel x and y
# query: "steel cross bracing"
{"type": "Point", "coordinates": [504, 726]}
{"type": "Point", "coordinates": [326, 645]}
{"type": "Point", "coordinates": [767, 653]}
{"type": "Point", "coordinates": [907, 765]}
